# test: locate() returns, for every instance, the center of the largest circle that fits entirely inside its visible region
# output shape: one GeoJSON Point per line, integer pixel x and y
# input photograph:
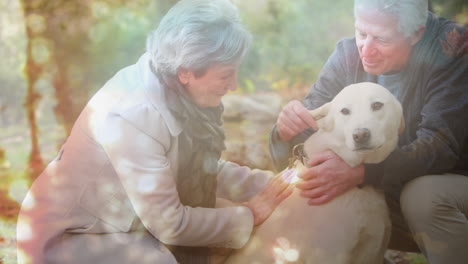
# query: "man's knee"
{"type": "Point", "coordinates": [431, 198]}
{"type": "Point", "coordinates": [419, 201]}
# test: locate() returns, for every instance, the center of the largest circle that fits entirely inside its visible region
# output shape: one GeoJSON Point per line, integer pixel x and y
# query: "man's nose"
{"type": "Point", "coordinates": [368, 47]}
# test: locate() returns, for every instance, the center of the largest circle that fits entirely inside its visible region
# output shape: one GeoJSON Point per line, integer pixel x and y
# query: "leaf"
{"type": "Point", "coordinates": [455, 43]}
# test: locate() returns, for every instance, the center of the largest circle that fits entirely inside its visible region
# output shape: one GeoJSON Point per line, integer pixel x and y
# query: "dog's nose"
{"type": "Point", "coordinates": [361, 135]}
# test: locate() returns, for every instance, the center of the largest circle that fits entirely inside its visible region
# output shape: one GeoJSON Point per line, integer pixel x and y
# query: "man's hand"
{"type": "Point", "coordinates": [328, 177]}
{"type": "Point", "coordinates": [293, 119]}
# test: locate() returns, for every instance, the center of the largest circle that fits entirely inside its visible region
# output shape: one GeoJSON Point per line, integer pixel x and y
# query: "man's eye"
{"type": "Point", "coordinates": [376, 106]}
{"type": "Point", "coordinates": [345, 111]}
{"type": "Point", "coordinates": [360, 34]}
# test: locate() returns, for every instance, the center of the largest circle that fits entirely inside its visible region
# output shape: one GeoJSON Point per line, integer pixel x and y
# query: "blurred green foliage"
{"type": "Point", "coordinates": [453, 9]}
{"type": "Point", "coordinates": [292, 40]}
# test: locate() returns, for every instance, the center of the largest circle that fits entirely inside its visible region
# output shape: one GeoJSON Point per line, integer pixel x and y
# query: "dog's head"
{"type": "Point", "coordinates": [366, 117]}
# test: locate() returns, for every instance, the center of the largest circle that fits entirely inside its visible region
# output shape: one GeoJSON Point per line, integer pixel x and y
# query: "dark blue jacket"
{"type": "Point", "coordinates": [434, 95]}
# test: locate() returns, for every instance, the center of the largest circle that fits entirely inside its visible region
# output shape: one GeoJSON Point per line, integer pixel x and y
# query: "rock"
{"type": "Point", "coordinates": [248, 122]}
{"type": "Point", "coordinates": [262, 106]}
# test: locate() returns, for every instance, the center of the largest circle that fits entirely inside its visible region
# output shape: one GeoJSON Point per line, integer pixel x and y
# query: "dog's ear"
{"type": "Point", "coordinates": [320, 112]}
{"type": "Point", "coordinates": [402, 125]}
{"type": "Point", "coordinates": [324, 121]}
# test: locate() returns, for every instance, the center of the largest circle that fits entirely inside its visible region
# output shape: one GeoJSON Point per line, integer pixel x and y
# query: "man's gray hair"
{"type": "Point", "coordinates": [196, 34]}
{"type": "Point", "coordinates": [411, 14]}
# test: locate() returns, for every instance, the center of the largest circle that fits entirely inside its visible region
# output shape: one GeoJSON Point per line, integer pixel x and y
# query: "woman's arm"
{"type": "Point", "coordinates": [141, 162]}
{"type": "Point", "coordinates": [240, 183]}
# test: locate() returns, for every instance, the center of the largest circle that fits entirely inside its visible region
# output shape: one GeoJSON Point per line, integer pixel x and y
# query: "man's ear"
{"type": "Point", "coordinates": [184, 75]}
{"type": "Point", "coordinates": [417, 35]}
{"type": "Point", "coordinates": [324, 121]}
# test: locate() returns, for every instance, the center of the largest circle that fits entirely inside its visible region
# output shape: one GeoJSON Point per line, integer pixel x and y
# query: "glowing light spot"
{"type": "Point", "coordinates": [36, 23]}
{"type": "Point", "coordinates": [283, 242]}
{"type": "Point", "coordinates": [98, 109]}
{"type": "Point", "coordinates": [277, 251]}
{"type": "Point", "coordinates": [18, 190]}
{"type": "Point", "coordinates": [290, 175]}
{"type": "Point", "coordinates": [295, 177]}
{"type": "Point", "coordinates": [291, 255]}
{"type": "Point", "coordinates": [24, 230]}
{"type": "Point", "coordinates": [28, 202]}
{"type": "Point", "coordinates": [40, 50]}
{"type": "Point", "coordinates": [283, 252]}
{"type": "Point", "coordinates": [23, 257]}
{"type": "Point", "coordinates": [124, 167]}
{"type": "Point", "coordinates": [99, 9]}
{"type": "Point", "coordinates": [147, 184]}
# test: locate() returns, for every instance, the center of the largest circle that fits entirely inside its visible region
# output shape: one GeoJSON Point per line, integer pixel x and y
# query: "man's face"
{"type": "Point", "coordinates": [207, 90]}
{"type": "Point", "coordinates": [382, 48]}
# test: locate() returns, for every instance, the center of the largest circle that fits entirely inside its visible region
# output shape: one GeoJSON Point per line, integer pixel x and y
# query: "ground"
{"type": "Point", "coordinates": [8, 214]}
{"type": "Point", "coordinates": [9, 211]}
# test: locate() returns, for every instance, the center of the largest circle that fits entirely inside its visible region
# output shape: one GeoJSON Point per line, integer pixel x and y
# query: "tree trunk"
{"type": "Point", "coordinates": [32, 71]}
{"type": "Point", "coordinates": [61, 26]}
{"type": "Point", "coordinates": [68, 24]}
{"type": "Point", "coordinates": [65, 29]}
{"type": "Point", "coordinates": [4, 165]}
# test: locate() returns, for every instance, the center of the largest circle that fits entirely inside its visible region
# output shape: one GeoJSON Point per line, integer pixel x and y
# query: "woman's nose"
{"type": "Point", "coordinates": [233, 83]}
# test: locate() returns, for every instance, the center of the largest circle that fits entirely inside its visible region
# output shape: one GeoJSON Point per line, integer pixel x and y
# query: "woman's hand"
{"type": "Point", "coordinates": [264, 203]}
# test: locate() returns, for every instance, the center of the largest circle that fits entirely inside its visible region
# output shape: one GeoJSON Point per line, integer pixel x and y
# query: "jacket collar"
{"type": "Point", "coordinates": [155, 92]}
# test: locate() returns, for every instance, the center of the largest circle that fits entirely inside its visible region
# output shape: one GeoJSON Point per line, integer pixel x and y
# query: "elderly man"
{"type": "Point", "coordinates": [422, 60]}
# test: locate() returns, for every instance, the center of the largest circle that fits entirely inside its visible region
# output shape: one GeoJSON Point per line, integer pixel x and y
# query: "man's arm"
{"type": "Point", "coordinates": [441, 135]}
{"type": "Point", "coordinates": [329, 175]}
{"type": "Point", "coordinates": [331, 80]}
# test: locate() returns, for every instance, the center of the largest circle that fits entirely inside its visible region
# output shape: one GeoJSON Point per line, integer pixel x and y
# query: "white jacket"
{"type": "Point", "coordinates": [110, 196]}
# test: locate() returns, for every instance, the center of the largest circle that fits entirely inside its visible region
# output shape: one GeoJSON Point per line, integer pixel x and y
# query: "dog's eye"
{"type": "Point", "coordinates": [376, 106]}
{"type": "Point", "coordinates": [345, 111]}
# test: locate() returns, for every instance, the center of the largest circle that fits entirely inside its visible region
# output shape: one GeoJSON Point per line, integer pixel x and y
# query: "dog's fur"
{"type": "Point", "coordinates": [361, 124]}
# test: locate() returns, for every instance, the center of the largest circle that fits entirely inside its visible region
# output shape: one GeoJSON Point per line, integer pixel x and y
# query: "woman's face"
{"type": "Point", "coordinates": [382, 48]}
{"type": "Point", "coordinates": [207, 90]}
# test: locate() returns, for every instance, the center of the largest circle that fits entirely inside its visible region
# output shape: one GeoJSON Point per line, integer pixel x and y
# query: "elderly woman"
{"type": "Point", "coordinates": [138, 179]}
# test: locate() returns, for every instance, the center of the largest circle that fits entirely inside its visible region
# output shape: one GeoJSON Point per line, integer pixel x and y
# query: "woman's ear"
{"type": "Point", "coordinates": [184, 76]}
{"type": "Point", "coordinates": [402, 125]}
{"type": "Point", "coordinates": [324, 121]}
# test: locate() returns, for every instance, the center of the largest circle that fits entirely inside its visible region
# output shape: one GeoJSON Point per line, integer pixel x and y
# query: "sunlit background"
{"type": "Point", "coordinates": [56, 53]}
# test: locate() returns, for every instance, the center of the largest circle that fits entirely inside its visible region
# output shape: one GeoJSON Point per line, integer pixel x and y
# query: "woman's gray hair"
{"type": "Point", "coordinates": [196, 34]}
{"type": "Point", "coordinates": [411, 14]}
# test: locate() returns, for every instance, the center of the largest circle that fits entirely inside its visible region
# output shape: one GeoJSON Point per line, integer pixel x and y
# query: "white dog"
{"type": "Point", "coordinates": [361, 124]}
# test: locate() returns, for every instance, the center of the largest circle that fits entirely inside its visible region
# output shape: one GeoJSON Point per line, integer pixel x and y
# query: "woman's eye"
{"type": "Point", "coordinates": [225, 77]}
{"type": "Point", "coordinates": [345, 111]}
{"type": "Point", "coordinates": [376, 106]}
